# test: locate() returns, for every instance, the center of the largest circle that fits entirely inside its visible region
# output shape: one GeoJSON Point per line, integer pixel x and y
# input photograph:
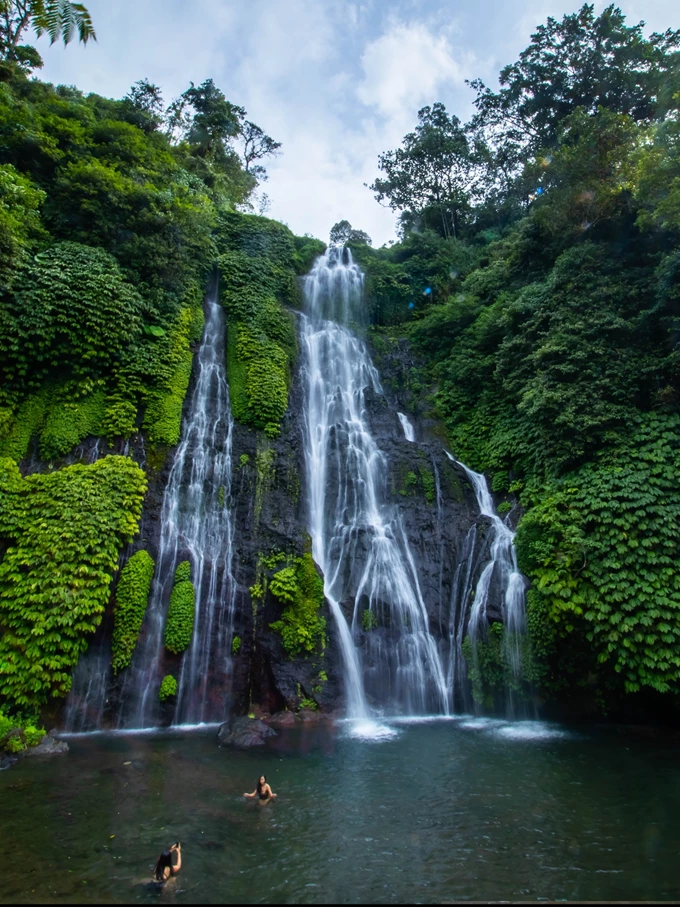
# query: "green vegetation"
{"type": "Point", "coordinates": [300, 588]}
{"type": "Point", "coordinates": [54, 18]}
{"type": "Point", "coordinates": [264, 466]}
{"type": "Point", "coordinates": [235, 645]}
{"type": "Point", "coordinates": [258, 277]}
{"type": "Point", "coordinates": [132, 595]}
{"type": "Point", "coordinates": [418, 481]}
{"type": "Point", "coordinates": [63, 531]}
{"type": "Point", "coordinates": [368, 620]}
{"type": "Point", "coordinates": [113, 217]}
{"type": "Point", "coordinates": [179, 625]}
{"type": "Point", "coordinates": [15, 736]}
{"type": "Point", "coordinates": [490, 669]}
{"type": "Point", "coordinates": [168, 688]}
{"type": "Point", "coordinates": [537, 280]}
{"type": "Point", "coordinates": [111, 221]}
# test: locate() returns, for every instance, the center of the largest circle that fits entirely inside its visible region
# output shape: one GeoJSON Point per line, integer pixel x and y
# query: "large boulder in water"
{"type": "Point", "coordinates": [244, 733]}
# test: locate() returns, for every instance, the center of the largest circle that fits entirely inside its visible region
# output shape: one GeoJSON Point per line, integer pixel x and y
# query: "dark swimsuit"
{"type": "Point", "coordinates": [264, 796]}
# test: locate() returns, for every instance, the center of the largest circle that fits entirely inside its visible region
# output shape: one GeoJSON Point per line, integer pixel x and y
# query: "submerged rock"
{"type": "Point", "coordinates": [244, 733]}
{"type": "Point", "coordinates": [283, 719]}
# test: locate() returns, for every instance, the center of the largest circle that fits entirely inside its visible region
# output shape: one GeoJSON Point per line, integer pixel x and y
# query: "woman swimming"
{"type": "Point", "coordinates": [168, 864]}
{"type": "Point", "coordinates": [263, 791]}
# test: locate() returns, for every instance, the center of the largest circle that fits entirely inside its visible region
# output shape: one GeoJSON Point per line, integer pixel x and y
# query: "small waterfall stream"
{"type": "Point", "coordinates": [502, 566]}
{"type": "Point", "coordinates": [357, 537]}
{"type": "Point", "coordinates": [196, 525]}
{"type": "Point", "coordinates": [409, 431]}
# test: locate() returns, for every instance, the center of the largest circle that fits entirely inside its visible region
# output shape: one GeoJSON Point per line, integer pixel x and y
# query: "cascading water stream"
{"type": "Point", "coordinates": [409, 431]}
{"type": "Point", "coordinates": [357, 537]}
{"type": "Point", "coordinates": [196, 524]}
{"type": "Point", "coordinates": [502, 565]}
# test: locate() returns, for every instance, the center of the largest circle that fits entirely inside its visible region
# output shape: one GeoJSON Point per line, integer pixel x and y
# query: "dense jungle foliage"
{"type": "Point", "coordinates": [114, 216]}
{"type": "Point", "coordinates": [538, 282]}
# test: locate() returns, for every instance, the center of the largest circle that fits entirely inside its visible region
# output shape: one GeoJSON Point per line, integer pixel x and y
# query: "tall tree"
{"type": "Point", "coordinates": [584, 61]}
{"type": "Point", "coordinates": [215, 122]}
{"type": "Point", "coordinates": [433, 169]}
{"type": "Point", "coordinates": [343, 232]}
{"type": "Point", "coordinates": [145, 101]}
{"type": "Point", "coordinates": [256, 145]}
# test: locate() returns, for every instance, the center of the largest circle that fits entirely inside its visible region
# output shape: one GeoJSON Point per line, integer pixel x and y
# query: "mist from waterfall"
{"type": "Point", "coordinates": [196, 525]}
{"type": "Point", "coordinates": [358, 539]}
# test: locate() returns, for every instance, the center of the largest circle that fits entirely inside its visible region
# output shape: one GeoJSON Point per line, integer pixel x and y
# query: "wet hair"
{"type": "Point", "coordinates": [164, 860]}
{"type": "Point", "coordinates": [260, 785]}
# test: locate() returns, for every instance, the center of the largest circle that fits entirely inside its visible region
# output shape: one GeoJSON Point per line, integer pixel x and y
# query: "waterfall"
{"type": "Point", "coordinates": [358, 539]}
{"type": "Point", "coordinates": [87, 700]}
{"type": "Point", "coordinates": [502, 565]}
{"type": "Point", "coordinates": [196, 524]}
{"type": "Point", "coordinates": [409, 432]}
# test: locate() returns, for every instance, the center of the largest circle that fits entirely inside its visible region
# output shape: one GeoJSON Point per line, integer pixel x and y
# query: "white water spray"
{"type": "Point", "coordinates": [357, 537]}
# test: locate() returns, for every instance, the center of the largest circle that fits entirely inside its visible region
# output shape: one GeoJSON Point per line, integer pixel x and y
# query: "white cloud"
{"type": "Point", "coordinates": [404, 67]}
{"type": "Point", "coordinates": [336, 84]}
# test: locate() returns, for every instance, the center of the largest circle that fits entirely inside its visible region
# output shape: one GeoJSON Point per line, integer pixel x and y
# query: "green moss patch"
{"type": "Point", "coordinates": [132, 595]}
{"type": "Point", "coordinates": [179, 626]}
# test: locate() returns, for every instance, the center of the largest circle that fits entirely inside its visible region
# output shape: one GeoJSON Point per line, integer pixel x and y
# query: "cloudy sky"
{"type": "Point", "coordinates": [336, 83]}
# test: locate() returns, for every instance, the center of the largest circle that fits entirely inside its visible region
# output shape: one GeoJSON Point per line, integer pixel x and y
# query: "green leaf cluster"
{"type": "Point", "coordinates": [300, 587]}
{"type": "Point", "coordinates": [602, 547]}
{"type": "Point", "coordinates": [368, 620]}
{"type": "Point", "coordinates": [168, 688]}
{"type": "Point", "coordinates": [132, 595]}
{"type": "Point", "coordinates": [62, 531]}
{"type": "Point", "coordinates": [179, 625]}
{"type": "Point", "coordinates": [16, 735]}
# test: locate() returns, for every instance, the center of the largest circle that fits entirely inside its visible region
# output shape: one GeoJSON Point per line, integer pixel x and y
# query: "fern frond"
{"type": "Point", "coordinates": [62, 18]}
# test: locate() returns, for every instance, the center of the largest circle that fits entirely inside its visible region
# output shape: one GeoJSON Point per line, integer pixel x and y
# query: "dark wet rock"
{"type": "Point", "coordinates": [310, 715]}
{"type": "Point", "coordinates": [282, 719]}
{"type": "Point", "coordinates": [244, 733]}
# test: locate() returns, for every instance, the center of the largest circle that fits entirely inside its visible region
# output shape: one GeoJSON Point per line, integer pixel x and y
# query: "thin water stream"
{"type": "Point", "coordinates": [196, 525]}
{"type": "Point", "coordinates": [501, 567]}
{"type": "Point", "coordinates": [458, 810]}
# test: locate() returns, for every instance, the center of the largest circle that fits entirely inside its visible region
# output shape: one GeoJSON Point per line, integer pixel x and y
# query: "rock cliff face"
{"type": "Point", "coordinates": [438, 512]}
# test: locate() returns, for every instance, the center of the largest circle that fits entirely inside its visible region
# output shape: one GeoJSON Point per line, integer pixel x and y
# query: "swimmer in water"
{"type": "Point", "coordinates": [263, 791]}
{"type": "Point", "coordinates": [168, 864]}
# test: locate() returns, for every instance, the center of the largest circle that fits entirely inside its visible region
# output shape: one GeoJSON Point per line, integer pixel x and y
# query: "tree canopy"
{"type": "Point", "coordinates": [546, 329]}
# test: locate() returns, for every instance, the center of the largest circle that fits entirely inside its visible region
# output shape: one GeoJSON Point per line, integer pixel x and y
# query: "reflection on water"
{"type": "Point", "coordinates": [453, 810]}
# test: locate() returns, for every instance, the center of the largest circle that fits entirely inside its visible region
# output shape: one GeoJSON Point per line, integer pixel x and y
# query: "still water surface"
{"type": "Point", "coordinates": [451, 810]}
